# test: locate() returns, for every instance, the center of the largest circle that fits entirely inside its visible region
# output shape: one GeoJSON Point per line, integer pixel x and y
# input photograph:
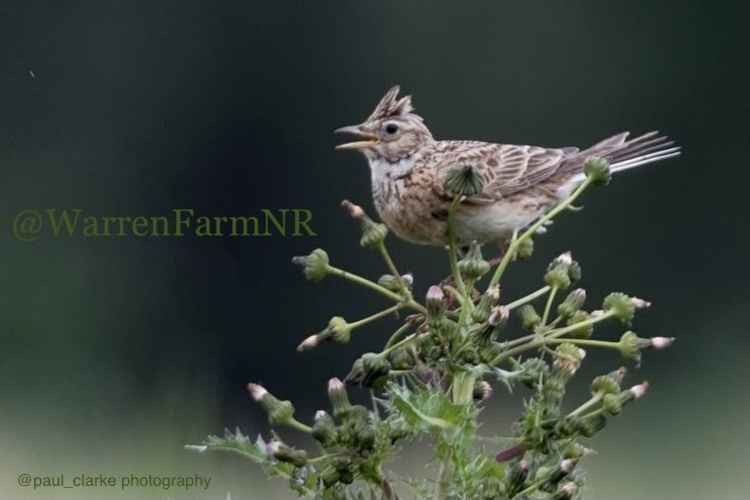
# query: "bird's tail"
{"type": "Point", "coordinates": [624, 154]}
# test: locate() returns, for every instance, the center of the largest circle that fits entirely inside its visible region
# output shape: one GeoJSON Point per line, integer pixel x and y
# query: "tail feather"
{"type": "Point", "coordinates": [624, 154]}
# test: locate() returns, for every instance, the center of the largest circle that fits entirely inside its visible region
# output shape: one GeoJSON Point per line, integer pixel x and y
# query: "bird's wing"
{"type": "Point", "coordinates": [504, 168]}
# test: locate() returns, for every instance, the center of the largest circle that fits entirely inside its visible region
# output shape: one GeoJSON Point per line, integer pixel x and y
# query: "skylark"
{"type": "Point", "coordinates": [408, 168]}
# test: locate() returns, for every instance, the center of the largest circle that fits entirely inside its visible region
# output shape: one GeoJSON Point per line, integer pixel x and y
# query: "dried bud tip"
{"type": "Point", "coordinates": [355, 211]}
{"type": "Point", "coordinates": [567, 490]}
{"type": "Point", "coordinates": [640, 303]}
{"type": "Point", "coordinates": [435, 293]}
{"type": "Point", "coordinates": [257, 392]}
{"type": "Point", "coordinates": [498, 316]}
{"type": "Point", "coordinates": [568, 465]}
{"type": "Point", "coordinates": [408, 279]}
{"type": "Point", "coordinates": [565, 258]}
{"type": "Point", "coordinates": [309, 343]}
{"type": "Point", "coordinates": [639, 390]}
{"type": "Point", "coordinates": [493, 293]}
{"type": "Point", "coordinates": [320, 414]}
{"type": "Point", "coordinates": [335, 385]}
{"type": "Point", "coordinates": [662, 342]}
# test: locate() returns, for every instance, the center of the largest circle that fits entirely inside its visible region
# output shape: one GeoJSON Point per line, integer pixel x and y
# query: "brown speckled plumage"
{"type": "Point", "coordinates": [408, 168]}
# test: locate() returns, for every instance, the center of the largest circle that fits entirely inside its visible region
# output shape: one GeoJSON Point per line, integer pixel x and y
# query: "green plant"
{"type": "Point", "coordinates": [434, 377]}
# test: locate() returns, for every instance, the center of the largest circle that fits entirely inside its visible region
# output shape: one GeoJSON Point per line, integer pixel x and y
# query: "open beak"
{"type": "Point", "coordinates": [356, 130]}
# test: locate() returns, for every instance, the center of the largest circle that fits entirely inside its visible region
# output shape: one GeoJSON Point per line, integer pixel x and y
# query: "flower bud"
{"type": "Point", "coordinates": [373, 234]}
{"type": "Point", "coordinates": [525, 248]}
{"type": "Point", "coordinates": [661, 342]}
{"type": "Point", "coordinates": [324, 429]}
{"type": "Point", "coordinates": [597, 169]}
{"type": "Point", "coordinates": [340, 330]}
{"type": "Point", "coordinates": [630, 346]}
{"type": "Point", "coordinates": [314, 265]}
{"type": "Point", "coordinates": [588, 427]}
{"type": "Point", "coordinates": [529, 317]}
{"type": "Point", "coordinates": [338, 397]}
{"type": "Point", "coordinates": [566, 491]}
{"type": "Point", "coordinates": [498, 316]}
{"type": "Point", "coordinates": [584, 331]}
{"type": "Point", "coordinates": [287, 454]}
{"type": "Point", "coordinates": [279, 412]}
{"type": "Point", "coordinates": [638, 391]}
{"type": "Point", "coordinates": [482, 391]}
{"type": "Point", "coordinates": [463, 180]}
{"type": "Point", "coordinates": [623, 306]}
{"type": "Point", "coordinates": [577, 451]}
{"type": "Point", "coordinates": [562, 271]}
{"type": "Point", "coordinates": [572, 303]}
{"type": "Point", "coordinates": [568, 358]}
{"type": "Point", "coordinates": [493, 294]}
{"type": "Point", "coordinates": [564, 468]}
{"type": "Point", "coordinates": [401, 359]}
{"type": "Point", "coordinates": [557, 277]}
{"type": "Point", "coordinates": [612, 404]}
{"type": "Point", "coordinates": [605, 384]}
{"type": "Point", "coordinates": [435, 301]}
{"type": "Point", "coordinates": [392, 283]}
{"type": "Point", "coordinates": [310, 342]}
{"type": "Point", "coordinates": [473, 266]}
{"type": "Point", "coordinates": [368, 369]}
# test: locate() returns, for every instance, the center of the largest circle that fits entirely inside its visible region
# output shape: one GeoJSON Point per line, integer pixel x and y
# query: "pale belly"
{"type": "Point", "coordinates": [424, 221]}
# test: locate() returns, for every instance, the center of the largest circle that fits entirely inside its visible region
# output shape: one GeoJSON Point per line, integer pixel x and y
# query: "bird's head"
{"type": "Point", "coordinates": [392, 132]}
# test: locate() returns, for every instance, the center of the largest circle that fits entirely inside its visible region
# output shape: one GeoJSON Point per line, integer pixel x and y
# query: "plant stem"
{"type": "Point", "coordinates": [398, 345]}
{"type": "Point", "coordinates": [528, 298]}
{"type": "Point", "coordinates": [355, 278]}
{"type": "Point", "coordinates": [551, 335]}
{"type": "Point", "coordinates": [452, 248]}
{"type": "Point", "coordinates": [397, 334]}
{"type": "Point", "coordinates": [296, 424]}
{"type": "Point", "coordinates": [588, 404]}
{"type": "Point", "coordinates": [586, 342]}
{"type": "Point", "coordinates": [534, 486]}
{"type": "Point", "coordinates": [376, 316]}
{"type": "Point", "coordinates": [548, 306]}
{"type": "Point", "coordinates": [392, 268]}
{"type": "Point", "coordinates": [533, 228]}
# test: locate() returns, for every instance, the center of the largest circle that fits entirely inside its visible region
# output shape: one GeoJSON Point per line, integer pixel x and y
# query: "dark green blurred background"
{"type": "Point", "coordinates": [116, 352]}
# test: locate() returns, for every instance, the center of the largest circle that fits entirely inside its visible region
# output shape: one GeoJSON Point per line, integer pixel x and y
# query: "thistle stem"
{"type": "Point", "coordinates": [513, 247]}
{"type": "Point", "coordinates": [550, 336]}
{"type": "Point", "coordinates": [392, 269]}
{"type": "Point", "coordinates": [296, 424]}
{"type": "Point", "coordinates": [355, 278]}
{"type": "Point", "coordinates": [376, 316]}
{"type": "Point", "coordinates": [397, 334]}
{"type": "Point", "coordinates": [586, 342]}
{"type": "Point", "coordinates": [452, 253]}
{"type": "Point", "coordinates": [548, 306]}
{"type": "Point", "coordinates": [528, 298]}
{"type": "Point", "coordinates": [398, 345]}
{"type": "Point", "coordinates": [587, 405]}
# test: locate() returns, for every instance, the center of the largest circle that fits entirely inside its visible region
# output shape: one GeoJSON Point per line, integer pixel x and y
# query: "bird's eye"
{"type": "Point", "coordinates": [391, 128]}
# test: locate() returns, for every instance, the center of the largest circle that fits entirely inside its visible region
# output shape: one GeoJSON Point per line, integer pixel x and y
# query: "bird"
{"type": "Point", "coordinates": [519, 183]}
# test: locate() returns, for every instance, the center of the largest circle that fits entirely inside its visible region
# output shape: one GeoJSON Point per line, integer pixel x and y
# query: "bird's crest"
{"type": "Point", "coordinates": [391, 105]}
